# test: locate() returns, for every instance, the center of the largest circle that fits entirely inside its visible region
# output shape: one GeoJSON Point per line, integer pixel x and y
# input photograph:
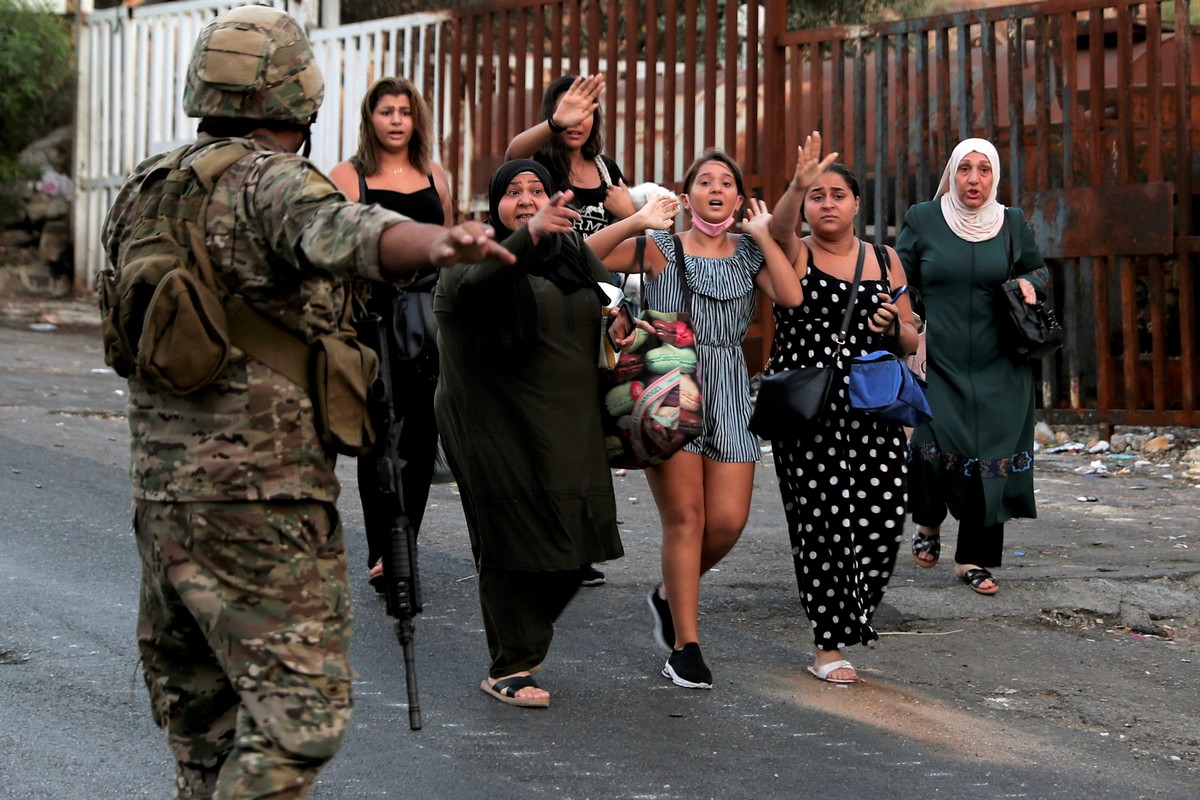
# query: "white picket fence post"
{"type": "Point", "coordinates": [133, 64]}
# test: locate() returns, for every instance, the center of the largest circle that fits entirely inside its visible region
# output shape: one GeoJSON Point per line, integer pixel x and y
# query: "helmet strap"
{"type": "Point", "coordinates": [307, 148]}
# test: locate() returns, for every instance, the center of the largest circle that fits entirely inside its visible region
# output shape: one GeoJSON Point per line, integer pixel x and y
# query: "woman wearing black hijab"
{"type": "Point", "coordinates": [518, 406]}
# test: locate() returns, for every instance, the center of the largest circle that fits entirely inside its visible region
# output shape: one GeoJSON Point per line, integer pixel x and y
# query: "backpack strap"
{"type": "Point", "coordinates": [259, 336]}
{"type": "Point", "coordinates": [208, 168]}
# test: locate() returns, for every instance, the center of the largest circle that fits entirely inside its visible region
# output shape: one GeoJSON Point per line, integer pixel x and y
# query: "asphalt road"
{"type": "Point", "coordinates": [1077, 681]}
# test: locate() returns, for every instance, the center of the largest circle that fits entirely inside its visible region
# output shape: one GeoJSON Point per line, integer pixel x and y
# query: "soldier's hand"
{"type": "Point", "coordinates": [468, 243]}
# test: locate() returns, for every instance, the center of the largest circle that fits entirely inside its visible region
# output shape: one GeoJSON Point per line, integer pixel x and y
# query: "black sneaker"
{"type": "Point", "coordinates": [664, 626]}
{"type": "Point", "coordinates": [590, 576]}
{"type": "Point", "coordinates": [686, 668]}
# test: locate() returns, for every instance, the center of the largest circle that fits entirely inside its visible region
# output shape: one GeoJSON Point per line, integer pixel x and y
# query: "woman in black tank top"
{"type": "Point", "coordinates": [393, 167]}
{"type": "Point", "coordinates": [568, 141]}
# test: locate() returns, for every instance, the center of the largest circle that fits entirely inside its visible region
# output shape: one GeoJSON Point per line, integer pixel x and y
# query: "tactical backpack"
{"type": "Point", "coordinates": [167, 318]}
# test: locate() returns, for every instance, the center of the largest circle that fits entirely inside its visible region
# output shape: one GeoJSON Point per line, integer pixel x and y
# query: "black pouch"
{"type": "Point", "coordinates": [790, 400]}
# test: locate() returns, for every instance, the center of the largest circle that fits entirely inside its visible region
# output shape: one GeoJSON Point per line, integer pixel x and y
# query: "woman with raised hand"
{"type": "Point", "coordinates": [975, 458]}
{"type": "Point", "coordinates": [842, 477]}
{"type": "Point", "coordinates": [393, 167]}
{"type": "Point", "coordinates": [568, 140]}
{"type": "Point", "coordinates": [703, 491]}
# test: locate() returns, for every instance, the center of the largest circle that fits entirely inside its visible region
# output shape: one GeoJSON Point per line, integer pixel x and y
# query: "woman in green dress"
{"type": "Point", "coordinates": [975, 459]}
{"type": "Point", "coordinates": [518, 405]}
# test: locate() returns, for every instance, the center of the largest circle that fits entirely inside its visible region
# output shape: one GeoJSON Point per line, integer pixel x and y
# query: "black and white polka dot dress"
{"type": "Point", "coordinates": [842, 480]}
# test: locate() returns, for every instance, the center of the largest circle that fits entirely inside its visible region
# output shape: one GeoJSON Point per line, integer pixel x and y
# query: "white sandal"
{"type": "Point", "coordinates": [833, 666]}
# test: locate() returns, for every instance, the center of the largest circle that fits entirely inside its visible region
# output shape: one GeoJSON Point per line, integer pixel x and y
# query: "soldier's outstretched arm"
{"type": "Point", "coordinates": [410, 246]}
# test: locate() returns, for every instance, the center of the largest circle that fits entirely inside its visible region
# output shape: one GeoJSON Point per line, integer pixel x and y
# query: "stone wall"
{"type": "Point", "coordinates": [36, 255]}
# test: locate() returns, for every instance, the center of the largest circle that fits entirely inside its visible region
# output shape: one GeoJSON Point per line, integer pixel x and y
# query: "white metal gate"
{"type": "Point", "coordinates": [132, 68]}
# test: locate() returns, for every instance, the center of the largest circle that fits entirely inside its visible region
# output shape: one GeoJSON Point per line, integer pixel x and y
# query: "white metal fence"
{"type": "Point", "coordinates": [132, 69]}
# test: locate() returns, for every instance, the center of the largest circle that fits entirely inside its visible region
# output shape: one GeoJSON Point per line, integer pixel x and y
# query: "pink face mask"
{"type": "Point", "coordinates": [710, 228]}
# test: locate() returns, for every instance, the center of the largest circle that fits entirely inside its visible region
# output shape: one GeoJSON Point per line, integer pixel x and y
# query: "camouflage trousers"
{"type": "Point", "coordinates": [244, 633]}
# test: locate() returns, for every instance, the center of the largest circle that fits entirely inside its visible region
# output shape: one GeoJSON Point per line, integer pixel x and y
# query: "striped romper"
{"type": "Point", "coordinates": [722, 306]}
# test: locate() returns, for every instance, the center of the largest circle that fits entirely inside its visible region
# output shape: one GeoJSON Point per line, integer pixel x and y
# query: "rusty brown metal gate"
{"type": "Point", "coordinates": [1092, 105]}
{"type": "Point", "coordinates": [1083, 101]}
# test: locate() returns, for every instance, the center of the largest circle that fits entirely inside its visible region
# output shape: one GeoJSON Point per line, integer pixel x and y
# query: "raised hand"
{"type": "Point", "coordinates": [554, 217]}
{"type": "Point", "coordinates": [468, 243]}
{"type": "Point", "coordinates": [758, 218]}
{"type": "Point", "coordinates": [809, 164]}
{"type": "Point", "coordinates": [578, 102]}
{"type": "Point", "coordinates": [659, 213]}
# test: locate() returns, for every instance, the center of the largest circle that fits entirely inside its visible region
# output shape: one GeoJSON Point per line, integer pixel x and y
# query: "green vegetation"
{"type": "Point", "coordinates": [1168, 12]}
{"type": "Point", "coordinates": [827, 13]}
{"type": "Point", "coordinates": [36, 84]}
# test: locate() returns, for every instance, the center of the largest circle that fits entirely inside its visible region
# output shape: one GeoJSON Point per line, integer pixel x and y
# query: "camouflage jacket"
{"type": "Point", "coordinates": [283, 237]}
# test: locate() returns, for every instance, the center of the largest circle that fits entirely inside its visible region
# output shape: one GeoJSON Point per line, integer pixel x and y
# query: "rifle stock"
{"type": "Point", "coordinates": [401, 584]}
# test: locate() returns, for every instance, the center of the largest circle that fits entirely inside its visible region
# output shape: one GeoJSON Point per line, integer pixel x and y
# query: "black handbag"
{"type": "Point", "coordinates": [1035, 331]}
{"type": "Point", "coordinates": [415, 326]}
{"type": "Point", "coordinates": [791, 399]}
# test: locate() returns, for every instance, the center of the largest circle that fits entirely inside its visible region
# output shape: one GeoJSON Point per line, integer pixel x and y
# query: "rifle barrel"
{"type": "Point", "coordinates": [404, 632]}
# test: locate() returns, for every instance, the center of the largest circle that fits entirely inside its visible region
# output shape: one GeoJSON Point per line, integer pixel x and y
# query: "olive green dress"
{"type": "Point", "coordinates": [981, 394]}
{"type": "Point", "coordinates": [521, 424]}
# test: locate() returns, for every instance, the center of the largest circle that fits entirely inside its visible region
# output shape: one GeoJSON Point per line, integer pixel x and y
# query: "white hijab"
{"type": "Point", "coordinates": [980, 224]}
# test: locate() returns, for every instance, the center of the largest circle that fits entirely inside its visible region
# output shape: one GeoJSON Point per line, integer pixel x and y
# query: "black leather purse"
{"type": "Point", "coordinates": [415, 325]}
{"type": "Point", "coordinates": [791, 399]}
{"type": "Point", "coordinates": [1035, 331]}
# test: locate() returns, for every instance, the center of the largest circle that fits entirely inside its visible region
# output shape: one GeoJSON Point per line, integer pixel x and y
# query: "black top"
{"type": "Point", "coordinates": [590, 202]}
{"type": "Point", "coordinates": [423, 205]}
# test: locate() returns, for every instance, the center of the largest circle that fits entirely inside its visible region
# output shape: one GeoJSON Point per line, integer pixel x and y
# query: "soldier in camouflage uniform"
{"type": "Point", "coordinates": [244, 624]}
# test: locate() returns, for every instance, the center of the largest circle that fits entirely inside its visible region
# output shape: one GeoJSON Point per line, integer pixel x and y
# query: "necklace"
{"type": "Point", "coordinates": [397, 170]}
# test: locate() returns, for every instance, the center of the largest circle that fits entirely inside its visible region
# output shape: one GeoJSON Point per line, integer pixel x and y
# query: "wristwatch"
{"type": "Point", "coordinates": [555, 128]}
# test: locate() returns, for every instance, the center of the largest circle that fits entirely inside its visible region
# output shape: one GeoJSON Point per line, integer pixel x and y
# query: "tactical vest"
{"type": "Point", "coordinates": [168, 319]}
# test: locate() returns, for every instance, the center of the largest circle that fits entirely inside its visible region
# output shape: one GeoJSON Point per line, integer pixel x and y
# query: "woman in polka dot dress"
{"type": "Point", "coordinates": [842, 480]}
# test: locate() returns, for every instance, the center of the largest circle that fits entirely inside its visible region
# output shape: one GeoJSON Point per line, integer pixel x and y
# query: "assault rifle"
{"type": "Point", "coordinates": [401, 585]}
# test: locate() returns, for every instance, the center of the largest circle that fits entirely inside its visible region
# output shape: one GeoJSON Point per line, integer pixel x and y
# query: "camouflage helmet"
{"type": "Point", "coordinates": [253, 62]}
